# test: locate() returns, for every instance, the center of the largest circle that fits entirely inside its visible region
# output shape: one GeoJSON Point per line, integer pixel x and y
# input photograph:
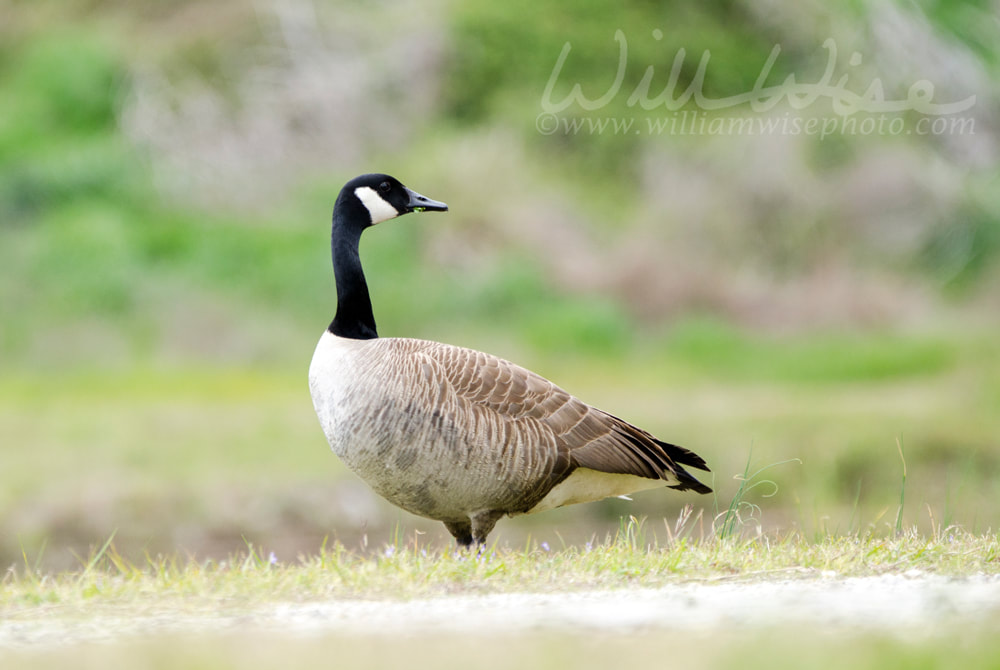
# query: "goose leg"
{"type": "Point", "coordinates": [482, 524]}
{"type": "Point", "coordinates": [461, 531]}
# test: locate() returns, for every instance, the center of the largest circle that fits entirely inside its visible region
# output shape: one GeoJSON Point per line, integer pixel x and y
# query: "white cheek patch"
{"type": "Point", "coordinates": [379, 209]}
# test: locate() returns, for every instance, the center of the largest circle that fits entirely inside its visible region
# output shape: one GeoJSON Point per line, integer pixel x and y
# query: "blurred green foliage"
{"type": "Point", "coordinates": [58, 132]}
{"type": "Point", "coordinates": [959, 253]}
{"type": "Point", "coordinates": [88, 231]}
{"type": "Point", "coordinates": [967, 21]}
{"type": "Point", "coordinates": [86, 234]}
{"type": "Point", "coordinates": [502, 60]}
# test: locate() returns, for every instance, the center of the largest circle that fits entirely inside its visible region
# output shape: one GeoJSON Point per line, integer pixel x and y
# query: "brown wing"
{"type": "Point", "coordinates": [584, 436]}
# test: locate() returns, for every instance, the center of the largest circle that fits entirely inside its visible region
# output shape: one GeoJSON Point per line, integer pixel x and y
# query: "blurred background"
{"type": "Point", "coordinates": [817, 304]}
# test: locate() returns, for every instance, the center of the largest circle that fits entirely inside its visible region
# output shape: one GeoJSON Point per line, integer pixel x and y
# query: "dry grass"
{"type": "Point", "coordinates": [410, 569]}
{"type": "Point", "coordinates": [177, 613]}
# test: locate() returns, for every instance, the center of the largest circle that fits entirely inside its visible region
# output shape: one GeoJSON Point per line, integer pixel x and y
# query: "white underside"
{"type": "Point", "coordinates": [586, 485]}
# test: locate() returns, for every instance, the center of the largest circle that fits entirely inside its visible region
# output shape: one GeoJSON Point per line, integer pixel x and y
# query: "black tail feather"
{"type": "Point", "coordinates": [688, 483]}
{"type": "Point", "coordinates": [684, 456]}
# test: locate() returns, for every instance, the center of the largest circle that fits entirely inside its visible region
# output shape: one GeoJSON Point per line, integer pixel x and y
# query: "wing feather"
{"type": "Point", "coordinates": [584, 436]}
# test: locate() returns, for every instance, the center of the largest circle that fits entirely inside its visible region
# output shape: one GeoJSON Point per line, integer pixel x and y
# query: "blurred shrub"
{"type": "Point", "coordinates": [503, 54]}
{"type": "Point", "coordinates": [57, 126]}
{"type": "Point", "coordinates": [662, 226]}
{"type": "Point", "coordinates": [59, 85]}
{"type": "Point", "coordinates": [87, 247]}
{"type": "Point", "coordinates": [968, 21]}
{"type": "Point", "coordinates": [958, 252]}
{"type": "Point", "coordinates": [791, 201]}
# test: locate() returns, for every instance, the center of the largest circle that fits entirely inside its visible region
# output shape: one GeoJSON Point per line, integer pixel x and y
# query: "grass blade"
{"type": "Point", "coordinates": [902, 488]}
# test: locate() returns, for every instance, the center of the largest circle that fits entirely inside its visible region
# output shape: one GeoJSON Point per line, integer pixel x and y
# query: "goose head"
{"type": "Point", "coordinates": [374, 198]}
{"type": "Point", "coordinates": [363, 202]}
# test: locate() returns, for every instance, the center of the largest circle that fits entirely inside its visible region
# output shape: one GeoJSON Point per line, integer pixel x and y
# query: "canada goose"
{"type": "Point", "coordinates": [454, 434]}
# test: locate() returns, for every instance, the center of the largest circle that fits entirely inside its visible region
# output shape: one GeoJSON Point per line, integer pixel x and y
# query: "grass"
{"type": "Point", "coordinates": [634, 557]}
{"type": "Point", "coordinates": [190, 459]}
{"type": "Point", "coordinates": [149, 601]}
{"type": "Point", "coordinates": [732, 519]}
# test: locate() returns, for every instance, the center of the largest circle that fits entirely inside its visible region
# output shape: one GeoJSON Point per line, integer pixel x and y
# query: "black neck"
{"type": "Point", "coordinates": [354, 317]}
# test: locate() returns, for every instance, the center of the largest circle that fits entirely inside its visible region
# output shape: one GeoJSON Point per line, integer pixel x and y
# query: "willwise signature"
{"type": "Point", "coordinates": [919, 98]}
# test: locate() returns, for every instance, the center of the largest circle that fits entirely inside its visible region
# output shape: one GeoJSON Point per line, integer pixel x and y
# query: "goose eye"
{"type": "Point", "coordinates": [384, 187]}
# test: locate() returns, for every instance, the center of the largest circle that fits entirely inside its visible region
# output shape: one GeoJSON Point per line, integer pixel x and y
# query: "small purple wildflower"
{"type": "Point", "coordinates": [272, 559]}
{"type": "Point", "coordinates": [545, 546]}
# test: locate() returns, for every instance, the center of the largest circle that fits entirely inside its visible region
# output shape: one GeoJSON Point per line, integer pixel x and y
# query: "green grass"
{"type": "Point", "coordinates": [413, 567]}
{"type": "Point", "coordinates": [170, 591]}
{"type": "Point", "coordinates": [192, 458]}
{"type": "Point", "coordinates": [718, 348]}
